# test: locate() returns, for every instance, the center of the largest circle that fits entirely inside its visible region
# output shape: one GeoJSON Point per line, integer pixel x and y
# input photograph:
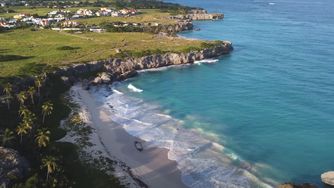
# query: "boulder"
{"type": "Point", "coordinates": [102, 78]}
{"type": "Point", "coordinates": [12, 166]}
{"type": "Point", "coordinates": [328, 178]}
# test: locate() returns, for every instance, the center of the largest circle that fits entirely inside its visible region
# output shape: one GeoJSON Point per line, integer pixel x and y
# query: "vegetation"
{"type": "Point", "coordinates": [52, 164]}
{"type": "Point", "coordinates": [145, 16]}
{"type": "Point", "coordinates": [43, 48]}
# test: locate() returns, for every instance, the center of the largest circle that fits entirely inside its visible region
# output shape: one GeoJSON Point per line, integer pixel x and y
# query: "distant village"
{"type": "Point", "coordinates": [64, 20]}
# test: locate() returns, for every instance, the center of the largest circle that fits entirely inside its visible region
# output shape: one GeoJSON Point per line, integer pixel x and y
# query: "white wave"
{"type": "Point", "coordinates": [134, 89]}
{"type": "Point", "coordinates": [117, 92]}
{"type": "Point", "coordinates": [206, 61]}
{"type": "Point", "coordinates": [202, 161]}
{"type": "Point", "coordinates": [163, 68]}
{"type": "Point", "coordinates": [272, 3]}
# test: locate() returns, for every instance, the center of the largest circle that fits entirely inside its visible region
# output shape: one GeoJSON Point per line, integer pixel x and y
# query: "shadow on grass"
{"type": "Point", "coordinates": [4, 58]}
{"type": "Point", "coordinates": [68, 48]}
{"type": "Point", "coordinates": [4, 50]}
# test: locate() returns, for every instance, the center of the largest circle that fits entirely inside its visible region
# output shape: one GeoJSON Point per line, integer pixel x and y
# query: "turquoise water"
{"type": "Point", "coordinates": [270, 102]}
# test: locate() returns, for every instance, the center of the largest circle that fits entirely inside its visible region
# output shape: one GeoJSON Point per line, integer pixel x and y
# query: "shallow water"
{"type": "Point", "coordinates": [270, 103]}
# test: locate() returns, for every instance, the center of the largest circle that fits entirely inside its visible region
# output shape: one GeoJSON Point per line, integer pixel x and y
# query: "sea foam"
{"type": "Point", "coordinates": [134, 89]}
{"type": "Point", "coordinates": [206, 61]}
{"type": "Point", "coordinates": [202, 161]}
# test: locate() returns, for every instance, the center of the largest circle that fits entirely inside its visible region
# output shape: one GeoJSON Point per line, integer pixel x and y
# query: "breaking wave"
{"type": "Point", "coordinates": [206, 61]}
{"type": "Point", "coordinates": [134, 89]}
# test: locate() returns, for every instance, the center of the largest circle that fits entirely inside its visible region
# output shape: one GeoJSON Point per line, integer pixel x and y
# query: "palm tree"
{"type": "Point", "coordinates": [24, 111]}
{"type": "Point", "coordinates": [43, 137]}
{"type": "Point", "coordinates": [50, 163]}
{"type": "Point", "coordinates": [31, 91]}
{"type": "Point", "coordinates": [47, 109]}
{"type": "Point", "coordinates": [8, 92]}
{"type": "Point", "coordinates": [21, 97]}
{"type": "Point", "coordinates": [39, 83]}
{"type": "Point", "coordinates": [7, 136]}
{"type": "Point", "coordinates": [21, 130]}
{"type": "Point", "coordinates": [28, 118]}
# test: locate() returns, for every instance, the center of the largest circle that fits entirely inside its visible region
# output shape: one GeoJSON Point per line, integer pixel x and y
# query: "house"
{"type": "Point", "coordinates": [115, 14]}
{"type": "Point", "coordinates": [44, 22]}
{"type": "Point", "coordinates": [2, 4]}
{"type": "Point", "coordinates": [84, 12]}
{"type": "Point", "coordinates": [127, 11]}
{"type": "Point", "coordinates": [103, 12]}
{"type": "Point", "coordinates": [97, 30]}
{"type": "Point", "coordinates": [20, 16]}
{"type": "Point", "coordinates": [12, 21]}
{"type": "Point", "coordinates": [69, 23]}
{"type": "Point", "coordinates": [3, 24]}
{"type": "Point", "coordinates": [58, 14]}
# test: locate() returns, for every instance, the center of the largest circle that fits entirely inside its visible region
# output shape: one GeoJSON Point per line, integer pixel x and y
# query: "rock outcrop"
{"type": "Point", "coordinates": [328, 178]}
{"type": "Point", "coordinates": [12, 166]}
{"type": "Point", "coordinates": [199, 14]}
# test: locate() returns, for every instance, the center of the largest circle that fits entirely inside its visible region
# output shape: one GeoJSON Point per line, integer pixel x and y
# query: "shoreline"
{"type": "Point", "coordinates": [151, 166]}
{"type": "Point", "coordinates": [159, 164]}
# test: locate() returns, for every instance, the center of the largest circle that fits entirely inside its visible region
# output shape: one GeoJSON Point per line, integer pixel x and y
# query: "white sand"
{"type": "Point", "coordinates": [151, 165]}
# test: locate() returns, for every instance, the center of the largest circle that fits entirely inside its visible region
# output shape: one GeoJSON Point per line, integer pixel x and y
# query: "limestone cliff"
{"type": "Point", "coordinates": [120, 69]}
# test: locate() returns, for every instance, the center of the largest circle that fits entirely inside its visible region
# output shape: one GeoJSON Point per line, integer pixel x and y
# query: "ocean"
{"type": "Point", "coordinates": [260, 116]}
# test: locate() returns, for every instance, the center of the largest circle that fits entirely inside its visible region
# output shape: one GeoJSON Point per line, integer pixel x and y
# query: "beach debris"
{"type": "Point", "coordinates": [138, 146]}
{"type": "Point", "coordinates": [328, 178]}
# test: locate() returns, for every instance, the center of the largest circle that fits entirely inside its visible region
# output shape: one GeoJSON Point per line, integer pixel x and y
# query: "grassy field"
{"type": "Point", "coordinates": [39, 10]}
{"type": "Point", "coordinates": [23, 51]}
{"type": "Point", "coordinates": [145, 16]}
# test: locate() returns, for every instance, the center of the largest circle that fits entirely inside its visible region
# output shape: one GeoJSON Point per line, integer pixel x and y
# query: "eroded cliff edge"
{"type": "Point", "coordinates": [120, 69]}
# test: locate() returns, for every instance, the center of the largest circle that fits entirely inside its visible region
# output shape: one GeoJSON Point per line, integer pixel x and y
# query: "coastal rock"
{"type": "Point", "coordinates": [118, 69]}
{"type": "Point", "coordinates": [328, 178]}
{"type": "Point", "coordinates": [102, 78]}
{"type": "Point", "coordinates": [12, 166]}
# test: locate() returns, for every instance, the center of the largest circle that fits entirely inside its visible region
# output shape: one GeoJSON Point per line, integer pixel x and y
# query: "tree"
{"type": "Point", "coordinates": [21, 97]}
{"type": "Point", "coordinates": [31, 91]}
{"type": "Point", "coordinates": [39, 83]}
{"type": "Point", "coordinates": [28, 118]}
{"type": "Point", "coordinates": [21, 130]}
{"type": "Point", "coordinates": [43, 137]}
{"type": "Point", "coordinates": [50, 163]}
{"type": "Point", "coordinates": [8, 92]}
{"type": "Point", "coordinates": [7, 136]}
{"type": "Point", "coordinates": [47, 109]}
{"type": "Point", "coordinates": [23, 111]}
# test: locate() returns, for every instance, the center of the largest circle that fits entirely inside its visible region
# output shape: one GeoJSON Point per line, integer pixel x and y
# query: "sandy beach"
{"type": "Point", "coordinates": [151, 165]}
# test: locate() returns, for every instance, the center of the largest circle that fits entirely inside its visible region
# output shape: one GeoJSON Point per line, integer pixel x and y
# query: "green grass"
{"type": "Point", "coordinates": [145, 16]}
{"type": "Point", "coordinates": [26, 52]}
{"type": "Point", "coordinates": [41, 11]}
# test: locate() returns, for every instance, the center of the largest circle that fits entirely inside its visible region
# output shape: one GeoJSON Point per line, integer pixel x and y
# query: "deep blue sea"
{"type": "Point", "coordinates": [269, 104]}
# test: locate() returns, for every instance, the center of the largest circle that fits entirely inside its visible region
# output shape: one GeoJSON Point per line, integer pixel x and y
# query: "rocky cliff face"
{"type": "Point", "coordinates": [170, 29]}
{"type": "Point", "coordinates": [119, 69]}
{"type": "Point", "coordinates": [12, 166]}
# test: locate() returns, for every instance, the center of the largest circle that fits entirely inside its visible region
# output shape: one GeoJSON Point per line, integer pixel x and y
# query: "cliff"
{"type": "Point", "coordinates": [199, 14]}
{"type": "Point", "coordinates": [119, 69]}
